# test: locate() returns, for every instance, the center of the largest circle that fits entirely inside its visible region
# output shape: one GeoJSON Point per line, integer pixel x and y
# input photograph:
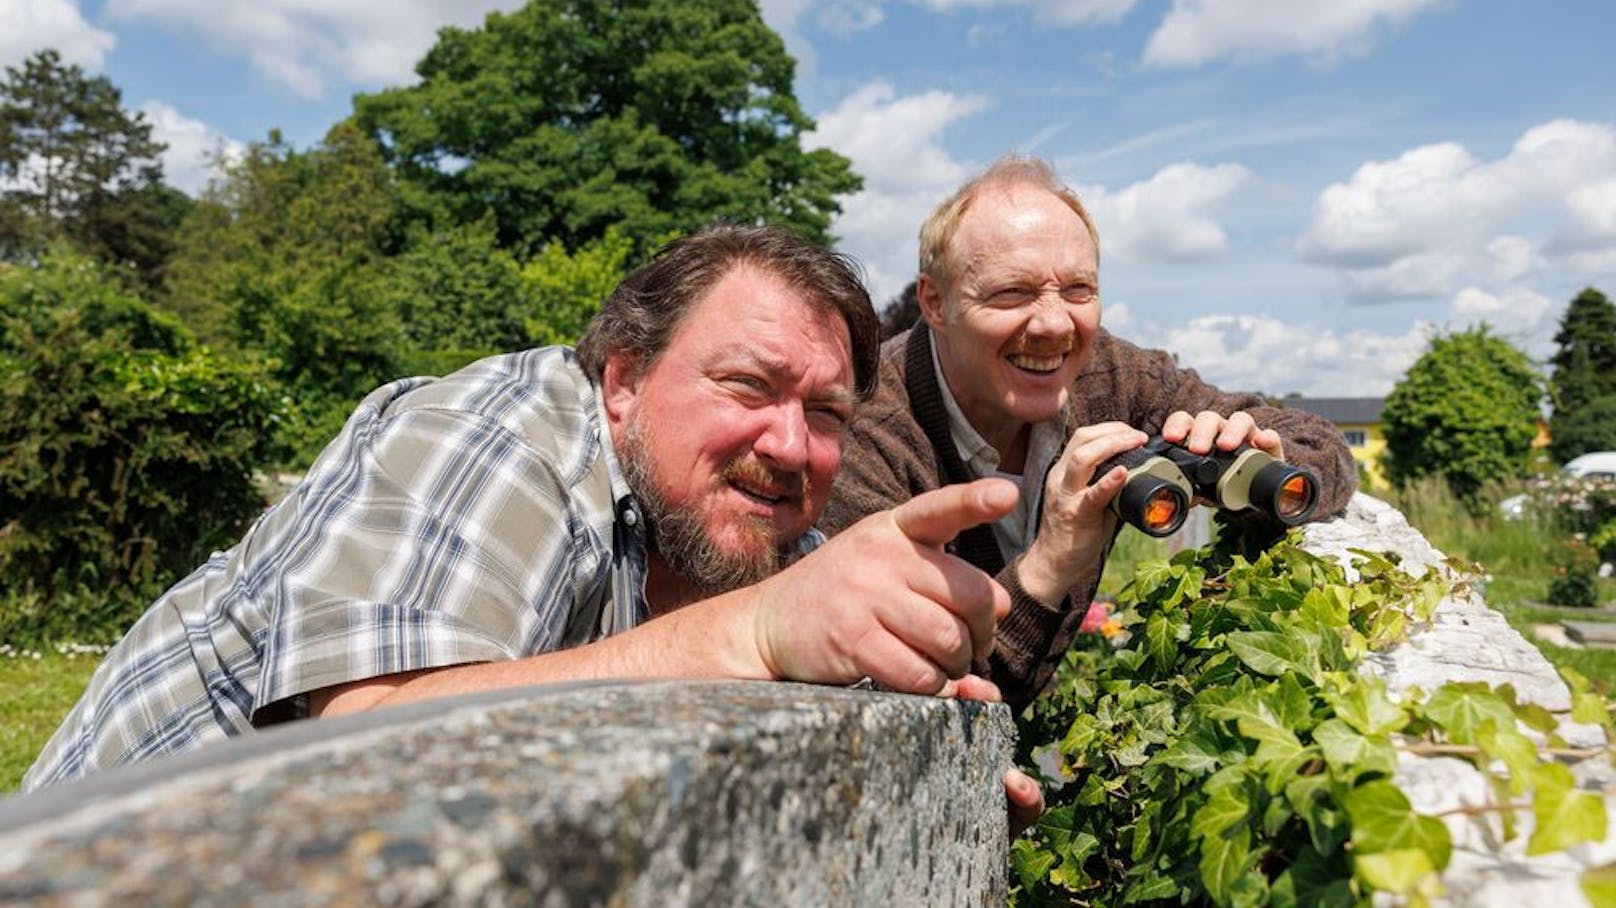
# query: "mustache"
{"type": "Point", "coordinates": [749, 472]}
{"type": "Point", "coordinates": [1027, 347]}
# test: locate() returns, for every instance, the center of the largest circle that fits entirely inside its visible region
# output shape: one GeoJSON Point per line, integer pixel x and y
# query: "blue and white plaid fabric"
{"type": "Point", "coordinates": [470, 518]}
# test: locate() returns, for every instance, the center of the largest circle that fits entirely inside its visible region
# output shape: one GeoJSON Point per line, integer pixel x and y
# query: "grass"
{"type": "Point", "coordinates": [1517, 558]}
{"type": "Point", "coordinates": [39, 692]}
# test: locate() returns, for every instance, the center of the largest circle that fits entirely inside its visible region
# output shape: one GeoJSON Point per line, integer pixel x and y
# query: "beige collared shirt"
{"type": "Point", "coordinates": [1015, 531]}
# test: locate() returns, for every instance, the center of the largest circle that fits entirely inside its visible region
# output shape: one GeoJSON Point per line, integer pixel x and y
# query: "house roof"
{"type": "Point", "coordinates": [1339, 410]}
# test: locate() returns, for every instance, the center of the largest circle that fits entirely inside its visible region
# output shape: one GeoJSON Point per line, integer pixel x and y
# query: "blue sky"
{"type": "Point", "coordinates": [1290, 196]}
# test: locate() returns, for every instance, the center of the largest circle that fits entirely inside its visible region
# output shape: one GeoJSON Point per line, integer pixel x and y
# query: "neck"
{"type": "Point", "coordinates": [1012, 445]}
{"type": "Point", "coordinates": [666, 590]}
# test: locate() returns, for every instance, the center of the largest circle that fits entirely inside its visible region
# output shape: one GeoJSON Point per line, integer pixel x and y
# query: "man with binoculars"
{"type": "Point", "coordinates": [1008, 373]}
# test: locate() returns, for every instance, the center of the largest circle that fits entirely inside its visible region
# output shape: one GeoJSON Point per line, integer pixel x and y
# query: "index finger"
{"type": "Point", "coordinates": [933, 518]}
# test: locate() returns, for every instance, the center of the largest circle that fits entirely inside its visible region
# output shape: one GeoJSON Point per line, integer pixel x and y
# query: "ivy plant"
{"type": "Point", "coordinates": [1227, 749]}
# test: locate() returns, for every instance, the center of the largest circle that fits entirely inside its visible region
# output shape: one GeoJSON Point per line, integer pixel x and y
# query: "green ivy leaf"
{"type": "Point", "coordinates": [1383, 820]}
{"type": "Point", "coordinates": [1226, 808]}
{"type": "Point", "coordinates": [1399, 870]}
{"type": "Point", "coordinates": [1224, 860]}
{"type": "Point", "coordinates": [1366, 707]}
{"type": "Point", "coordinates": [1514, 750]}
{"type": "Point", "coordinates": [1161, 640]}
{"type": "Point", "coordinates": [1349, 752]}
{"type": "Point", "coordinates": [1561, 815]}
{"type": "Point", "coordinates": [1269, 653]}
{"type": "Point", "coordinates": [1462, 708]}
{"type": "Point", "coordinates": [1599, 886]}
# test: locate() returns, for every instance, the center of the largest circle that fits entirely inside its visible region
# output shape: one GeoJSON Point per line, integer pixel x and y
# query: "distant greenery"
{"type": "Point", "coordinates": [1466, 411]}
{"type": "Point", "coordinates": [1583, 385]}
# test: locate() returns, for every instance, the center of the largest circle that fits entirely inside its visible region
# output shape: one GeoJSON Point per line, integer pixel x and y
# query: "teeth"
{"type": "Point", "coordinates": [1036, 363]}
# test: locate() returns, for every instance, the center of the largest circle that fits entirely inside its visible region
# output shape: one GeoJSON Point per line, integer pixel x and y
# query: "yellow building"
{"type": "Point", "coordinates": [1358, 418]}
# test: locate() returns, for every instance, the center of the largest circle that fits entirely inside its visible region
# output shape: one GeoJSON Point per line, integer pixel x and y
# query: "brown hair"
{"type": "Point", "coordinates": [643, 312]}
{"type": "Point", "coordinates": [937, 231]}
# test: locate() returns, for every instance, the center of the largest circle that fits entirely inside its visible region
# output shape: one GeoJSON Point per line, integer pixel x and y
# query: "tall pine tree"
{"type": "Point", "coordinates": [1584, 380]}
{"type": "Point", "coordinates": [75, 165]}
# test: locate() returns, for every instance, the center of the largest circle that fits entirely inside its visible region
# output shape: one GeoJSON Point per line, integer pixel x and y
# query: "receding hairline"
{"type": "Point", "coordinates": [938, 230]}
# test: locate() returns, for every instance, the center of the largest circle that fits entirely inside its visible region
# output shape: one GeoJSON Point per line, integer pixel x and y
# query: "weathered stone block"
{"type": "Point", "coordinates": [612, 794]}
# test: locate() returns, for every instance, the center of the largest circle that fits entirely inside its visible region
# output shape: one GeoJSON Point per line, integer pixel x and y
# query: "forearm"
{"type": "Point", "coordinates": [1030, 640]}
{"type": "Point", "coordinates": [710, 639]}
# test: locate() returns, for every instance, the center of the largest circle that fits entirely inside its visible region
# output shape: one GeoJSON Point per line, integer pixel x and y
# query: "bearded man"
{"type": "Point", "coordinates": [639, 508]}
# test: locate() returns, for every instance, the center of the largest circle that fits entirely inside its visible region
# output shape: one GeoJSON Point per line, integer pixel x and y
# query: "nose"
{"type": "Point", "coordinates": [1050, 317]}
{"type": "Point", "coordinates": [784, 442]}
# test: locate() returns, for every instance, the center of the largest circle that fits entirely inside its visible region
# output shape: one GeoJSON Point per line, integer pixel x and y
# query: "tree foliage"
{"type": "Point", "coordinates": [75, 165]}
{"type": "Point", "coordinates": [1583, 386]}
{"type": "Point", "coordinates": [1467, 410]}
{"type": "Point", "coordinates": [285, 260]}
{"type": "Point", "coordinates": [126, 452]}
{"type": "Point", "coordinates": [567, 117]}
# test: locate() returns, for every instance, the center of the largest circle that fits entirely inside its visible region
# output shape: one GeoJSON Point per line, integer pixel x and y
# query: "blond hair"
{"type": "Point", "coordinates": [937, 231]}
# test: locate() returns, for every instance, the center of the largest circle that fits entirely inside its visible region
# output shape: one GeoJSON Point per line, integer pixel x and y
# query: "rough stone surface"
{"type": "Point", "coordinates": [631, 794]}
{"type": "Point", "coordinates": [1467, 641]}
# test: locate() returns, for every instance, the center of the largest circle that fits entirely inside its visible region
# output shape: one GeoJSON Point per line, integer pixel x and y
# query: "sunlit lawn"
{"type": "Point", "coordinates": [37, 694]}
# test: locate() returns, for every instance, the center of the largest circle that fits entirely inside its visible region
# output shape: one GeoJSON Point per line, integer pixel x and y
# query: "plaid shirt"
{"type": "Point", "coordinates": [471, 518]}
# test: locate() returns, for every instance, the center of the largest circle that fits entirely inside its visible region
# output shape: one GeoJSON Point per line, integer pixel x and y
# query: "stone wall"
{"type": "Point", "coordinates": [617, 794]}
{"type": "Point", "coordinates": [1467, 641]}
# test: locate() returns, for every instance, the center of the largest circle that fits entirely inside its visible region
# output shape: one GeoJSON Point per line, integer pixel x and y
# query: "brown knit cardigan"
{"type": "Point", "coordinates": [899, 445]}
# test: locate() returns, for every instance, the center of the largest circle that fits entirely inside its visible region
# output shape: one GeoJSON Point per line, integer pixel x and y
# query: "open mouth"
{"type": "Point", "coordinates": [1042, 365]}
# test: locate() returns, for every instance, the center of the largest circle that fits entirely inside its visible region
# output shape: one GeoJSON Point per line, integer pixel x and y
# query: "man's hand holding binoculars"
{"type": "Point", "coordinates": [1111, 470]}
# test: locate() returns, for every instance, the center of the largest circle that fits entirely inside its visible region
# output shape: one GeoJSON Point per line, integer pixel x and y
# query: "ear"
{"type": "Point", "coordinates": [621, 381]}
{"type": "Point", "coordinates": [930, 298]}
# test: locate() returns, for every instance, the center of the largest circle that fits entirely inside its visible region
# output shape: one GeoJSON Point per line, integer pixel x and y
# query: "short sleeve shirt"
{"type": "Point", "coordinates": [476, 517]}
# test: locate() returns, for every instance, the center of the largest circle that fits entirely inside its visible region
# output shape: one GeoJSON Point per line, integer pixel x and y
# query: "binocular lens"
{"type": "Point", "coordinates": [1153, 504]}
{"type": "Point", "coordinates": [1164, 510]}
{"type": "Point", "coordinates": [1295, 498]}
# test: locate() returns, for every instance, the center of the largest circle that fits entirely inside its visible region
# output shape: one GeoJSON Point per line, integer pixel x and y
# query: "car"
{"type": "Point", "coordinates": [1593, 465]}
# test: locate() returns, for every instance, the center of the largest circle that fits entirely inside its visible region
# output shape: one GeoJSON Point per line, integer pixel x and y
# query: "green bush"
{"type": "Point", "coordinates": [1467, 411]}
{"type": "Point", "coordinates": [121, 467]}
{"type": "Point", "coordinates": [1575, 580]}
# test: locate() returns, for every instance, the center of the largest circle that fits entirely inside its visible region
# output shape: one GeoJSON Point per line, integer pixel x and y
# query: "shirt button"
{"type": "Point", "coordinates": [630, 517]}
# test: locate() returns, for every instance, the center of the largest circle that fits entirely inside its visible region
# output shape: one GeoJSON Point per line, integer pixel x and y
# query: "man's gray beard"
{"type": "Point", "coordinates": [677, 534]}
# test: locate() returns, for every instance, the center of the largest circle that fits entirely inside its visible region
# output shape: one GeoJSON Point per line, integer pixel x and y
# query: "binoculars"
{"type": "Point", "coordinates": [1163, 478]}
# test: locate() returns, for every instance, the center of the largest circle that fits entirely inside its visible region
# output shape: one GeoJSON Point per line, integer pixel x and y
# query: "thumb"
{"type": "Point", "coordinates": [935, 517]}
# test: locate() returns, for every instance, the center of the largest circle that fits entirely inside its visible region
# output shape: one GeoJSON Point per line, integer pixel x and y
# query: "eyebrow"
{"type": "Point", "coordinates": [777, 367]}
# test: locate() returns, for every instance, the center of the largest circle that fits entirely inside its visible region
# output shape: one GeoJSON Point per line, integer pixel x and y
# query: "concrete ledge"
{"type": "Point", "coordinates": [620, 794]}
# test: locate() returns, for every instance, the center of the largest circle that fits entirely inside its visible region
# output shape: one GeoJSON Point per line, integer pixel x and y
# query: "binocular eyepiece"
{"type": "Point", "coordinates": [1163, 478]}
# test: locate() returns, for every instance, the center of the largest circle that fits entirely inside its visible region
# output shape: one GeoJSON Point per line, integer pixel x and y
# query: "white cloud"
{"type": "Point", "coordinates": [33, 25]}
{"type": "Point", "coordinates": [1169, 217]}
{"type": "Point", "coordinates": [1518, 311]}
{"type": "Point", "coordinates": [894, 143]}
{"type": "Point", "coordinates": [1261, 353]}
{"type": "Point", "coordinates": [193, 146]}
{"type": "Point", "coordinates": [1195, 31]}
{"type": "Point", "coordinates": [307, 46]}
{"type": "Point", "coordinates": [1421, 224]}
{"type": "Point", "coordinates": [1590, 217]}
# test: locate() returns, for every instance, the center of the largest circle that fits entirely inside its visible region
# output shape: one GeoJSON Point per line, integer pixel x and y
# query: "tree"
{"type": "Point", "coordinates": [1467, 411]}
{"type": "Point", "coordinates": [126, 452]}
{"type": "Point", "coordinates": [75, 164]}
{"type": "Point", "coordinates": [567, 117]}
{"type": "Point", "coordinates": [287, 258]}
{"type": "Point", "coordinates": [1584, 381]}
